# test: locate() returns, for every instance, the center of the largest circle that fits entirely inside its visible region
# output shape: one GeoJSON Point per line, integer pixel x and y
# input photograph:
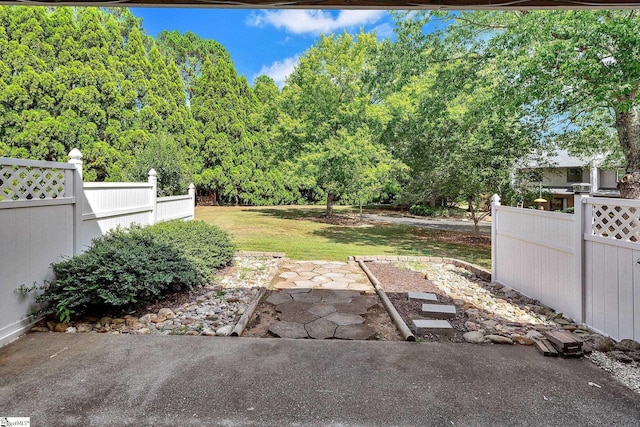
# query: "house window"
{"type": "Point", "coordinates": [574, 175]}
{"type": "Point", "coordinates": [619, 174]}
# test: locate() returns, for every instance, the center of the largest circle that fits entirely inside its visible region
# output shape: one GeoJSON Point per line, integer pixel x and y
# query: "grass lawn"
{"type": "Point", "coordinates": [301, 232]}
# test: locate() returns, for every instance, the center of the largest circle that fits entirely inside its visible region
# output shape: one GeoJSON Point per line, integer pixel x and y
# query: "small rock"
{"type": "Point", "coordinates": [84, 328]}
{"type": "Point", "coordinates": [472, 326]}
{"type": "Point", "coordinates": [166, 313]}
{"type": "Point", "coordinates": [224, 331]}
{"type": "Point", "coordinates": [628, 345]}
{"type": "Point", "coordinates": [70, 330]}
{"type": "Point", "coordinates": [208, 332]}
{"type": "Point", "coordinates": [39, 329]}
{"type": "Point", "coordinates": [569, 328]}
{"type": "Point", "coordinates": [158, 319]}
{"type": "Point", "coordinates": [499, 339]}
{"type": "Point", "coordinates": [458, 302]}
{"type": "Point", "coordinates": [148, 318]}
{"type": "Point", "coordinates": [474, 337]}
{"type": "Point", "coordinates": [51, 325]}
{"type": "Point", "coordinates": [105, 320]}
{"type": "Point", "coordinates": [61, 327]}
{"type": "Point", "coordinates": [534, 335]}
{"type": "Point", "coordinates": [601, 343]}
{"type": "Point", "coordinates": [143, 331]}
{"type": "Point", "coordinates": [118, 321]}
{"type": "Point", "coordinates": [620, 356]}
{"type": "Point", "coordinates": [519, 339]}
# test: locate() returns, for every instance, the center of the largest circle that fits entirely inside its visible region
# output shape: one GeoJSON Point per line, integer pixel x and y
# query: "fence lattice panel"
{"type": "Point", "coordinates": [616, 222]}
{"type": "Point", "coordinates": [29, 183]}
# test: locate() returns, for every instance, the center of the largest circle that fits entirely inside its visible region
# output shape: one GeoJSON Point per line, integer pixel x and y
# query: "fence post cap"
{"type": "Point", "coordinates": [75, 154]}
{"type": "Point", "coordinates": [192, 186]}
{"type": "Point", "coordinates": [153, 172]}
{"type": "Point", "coordinates": [495, 199]}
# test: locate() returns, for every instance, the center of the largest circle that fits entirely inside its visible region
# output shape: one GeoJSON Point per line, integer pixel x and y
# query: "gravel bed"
{"type": "Point", "coordinates": [627, 373]}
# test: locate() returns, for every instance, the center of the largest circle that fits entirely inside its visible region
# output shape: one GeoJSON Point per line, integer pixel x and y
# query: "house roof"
{"type": "Point", "coordinates": [560, 159]}
{"type": "Point", "coordinates": [346, 4]}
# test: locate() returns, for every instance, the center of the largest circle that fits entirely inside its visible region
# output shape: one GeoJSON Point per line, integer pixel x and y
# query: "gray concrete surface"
{"type": "Point", "coordinates": [452, 225]}
{"type": "Point", "coordinates": [109, 380]}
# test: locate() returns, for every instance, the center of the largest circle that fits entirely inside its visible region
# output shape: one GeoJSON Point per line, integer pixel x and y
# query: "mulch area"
{"type": "Point", "coordinates": [397, 282]}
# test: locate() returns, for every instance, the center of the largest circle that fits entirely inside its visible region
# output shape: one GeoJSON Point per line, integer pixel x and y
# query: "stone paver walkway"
{"type": "Point", "coordinates": [322, 300]}
{"type": "Point", "coordinates": [322, 275]}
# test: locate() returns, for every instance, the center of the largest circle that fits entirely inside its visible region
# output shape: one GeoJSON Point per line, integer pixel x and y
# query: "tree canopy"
{"type": "Point", "coordinates": [427, 116]}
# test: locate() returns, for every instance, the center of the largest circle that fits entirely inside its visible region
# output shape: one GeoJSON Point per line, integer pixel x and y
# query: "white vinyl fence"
{"type": "Point", "coordinates": [47, 213]}
{"type": "Point", "coordinates": [586, 264]}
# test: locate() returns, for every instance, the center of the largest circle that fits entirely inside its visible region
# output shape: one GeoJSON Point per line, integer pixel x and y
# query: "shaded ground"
{"type": "Point", "coordinates": [110, 380]}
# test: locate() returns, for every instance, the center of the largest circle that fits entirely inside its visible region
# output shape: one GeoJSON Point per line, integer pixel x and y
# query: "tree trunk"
{"type": "Point", "coordinates": [628, 127]}
{"type": "Point", "coordinates": [329, 212]}
{"type": "Point", "coordinates": [361, 211]}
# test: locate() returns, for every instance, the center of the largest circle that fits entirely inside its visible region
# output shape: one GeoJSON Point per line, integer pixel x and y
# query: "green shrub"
{"type": "Point", "coordinates": [421, 210]}
{"type": "Point", "coordinates": [205, 245]}
{"type": "Point", "coordinates": [127, 267]}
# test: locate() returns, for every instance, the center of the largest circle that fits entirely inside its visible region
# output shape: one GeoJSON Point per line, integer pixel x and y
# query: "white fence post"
{"type": "Point", "coordinates": [75, 158]}
{"type": "Point", "coordinates": [495, 202]}
{"type": "Point", "coordinates": [153, 200]}
{"type": "Point", "coordinates": [578, 244]}
{"type": "Point", "coordinates": [192, 193]}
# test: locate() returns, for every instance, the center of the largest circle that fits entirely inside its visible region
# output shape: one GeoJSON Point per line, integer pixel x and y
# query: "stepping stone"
{"type": "Point", "coordinates": [423, 296]}
{"type": "Point", "coordinates": [299, 316]}
{"type": "Point", "coordinates": [423, 326]}
{"type": "Point", "coordinates": [277, 298]}
{"type": "Point", "coordinates": [360, 287]}
{"type": "Point", "coordinates": [322, 309]}
{"type": "Point", "coordinates": [307, 297]}
{"type": "Point", "coordinates": [334, 285]}
{"type": "Point", "coordinates": [288, 275]}
{"type": "Point", "coordinates": [438, 311]}
{"type": "Point", "coordinates": [288, 330]}
{"type": "Point", "coordinates": [292, 306]}
{"type": "Point", "coordinates": [321, 329]}
{"type": "Point", "coordinates": [304, 283]}
{"type": "Point", "coordinates": [296, 290]}
{"type": "Point", "coordinates": [344, 319]}
{"type": "Point", "coordinates": [354, 332]}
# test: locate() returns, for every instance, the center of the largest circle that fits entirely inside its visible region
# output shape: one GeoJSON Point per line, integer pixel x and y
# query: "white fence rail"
{"type": "Point", "coordinates": [47, 213]}
{"type": "Point", "coordinates": [586, 265]}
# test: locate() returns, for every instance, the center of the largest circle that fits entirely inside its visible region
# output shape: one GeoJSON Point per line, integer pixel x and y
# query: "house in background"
{"type": "Point", "coordinates": [557, 173]}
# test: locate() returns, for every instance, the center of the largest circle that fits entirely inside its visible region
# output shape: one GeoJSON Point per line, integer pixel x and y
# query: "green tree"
{"type": "Point", "coordinates": [163, 154]}
{"type": "Point", "coordinates": [577, 74]}
{"type": "Point", "coordinates": [329, 121]}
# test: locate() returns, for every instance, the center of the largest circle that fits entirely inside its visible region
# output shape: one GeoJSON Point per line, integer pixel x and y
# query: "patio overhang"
{"type": "Point", "coordinates": [344, 4]}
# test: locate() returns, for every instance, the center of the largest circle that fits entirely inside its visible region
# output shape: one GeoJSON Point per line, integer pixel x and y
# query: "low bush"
{"type": "Point", "coordinates": [205, 245]}
{"type": "Point", "coordinates": [127, 267]}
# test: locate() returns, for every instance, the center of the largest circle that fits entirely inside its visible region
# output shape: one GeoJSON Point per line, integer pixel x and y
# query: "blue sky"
{"type": "Point", "coordinates": [264, 41]}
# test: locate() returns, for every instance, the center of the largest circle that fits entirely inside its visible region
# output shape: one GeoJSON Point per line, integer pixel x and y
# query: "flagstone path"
{"type": "Point", "coordinates": [322, 275]}
{"type": "Point", "coordinates": [321, 300]}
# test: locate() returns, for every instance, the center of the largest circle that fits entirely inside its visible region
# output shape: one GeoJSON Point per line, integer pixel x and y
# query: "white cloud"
{"type": "Point", "coordinates": [279, 70]}
{"type": "Point", "coordinates": [384, 31]}
{"type": "Point", "coordinates": [314, 21]}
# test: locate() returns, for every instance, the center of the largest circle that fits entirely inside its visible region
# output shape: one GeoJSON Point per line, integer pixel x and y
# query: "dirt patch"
{"type": "Point", "coordinates": [397, 282]}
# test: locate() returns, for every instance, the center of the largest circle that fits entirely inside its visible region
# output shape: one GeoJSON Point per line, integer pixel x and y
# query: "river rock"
{"type": "Point", "coordinates": [475, 337]}
{"type": "Point", "coordinates": [499, 339]}
{"type": "Point", "coordinates": [224, 331]}
{"type": "Point", "coordinates": [84, 328]}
